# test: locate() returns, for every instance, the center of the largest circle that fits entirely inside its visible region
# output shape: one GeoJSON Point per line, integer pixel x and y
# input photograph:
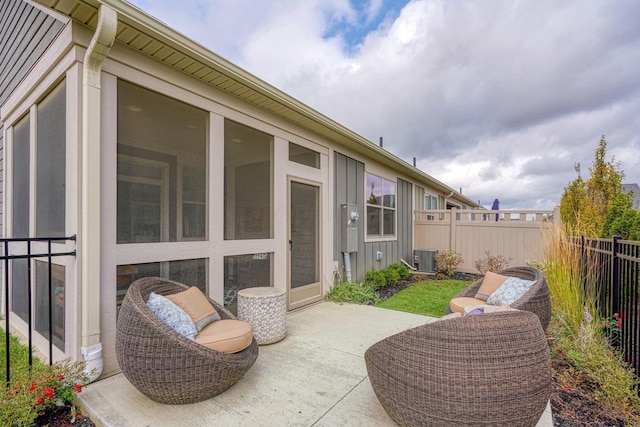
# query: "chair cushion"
{"type": "Point", "coordinates": [510, 291]}
{"type": "Point", "coordinates": [458, 304]}
{"type": "Point", "coordinates": [172, 315]}
{"type": "Point", "coordinates": [490, 283]}
{"type": "Point", "coordinates": [196, 305]}
{"type": "Point", "coordinates": [481, 309]}
{"type": "Point", "coordinates": [227, 335]}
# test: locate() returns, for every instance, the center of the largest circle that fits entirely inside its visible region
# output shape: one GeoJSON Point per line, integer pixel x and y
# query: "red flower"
{"type": "Point", "coordinates": [33, 387]}
{"type": "Point", "coordinates": [49, 392]}
{"type": "Point", "coordinates": [619, 324]}
{"type": "Point", "coordinates": [78, 388]}
{"type": "Point", "coordinates": [61, 376]}
{"type": "Point", "coordinates": [39, 401]}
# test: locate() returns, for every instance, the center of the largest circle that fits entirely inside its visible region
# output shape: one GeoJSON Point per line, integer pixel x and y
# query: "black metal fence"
{"type": "Point", "coordinates": [612, 268]}
{"type": "Point", "coordinates": [24, 252]}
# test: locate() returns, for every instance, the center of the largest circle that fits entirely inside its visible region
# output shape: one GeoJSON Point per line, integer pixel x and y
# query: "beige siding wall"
{"type": "Point", "coordinates": [517, 234]}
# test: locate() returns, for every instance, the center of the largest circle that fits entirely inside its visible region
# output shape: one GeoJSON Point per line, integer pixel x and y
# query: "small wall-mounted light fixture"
{"type": "Point", "coordinates": [379, 256]}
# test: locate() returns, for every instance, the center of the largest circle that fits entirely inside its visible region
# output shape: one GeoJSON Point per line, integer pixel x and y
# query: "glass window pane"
{"type": "Point", "coordinates": [304, 156]}
{"type": "Point", "coordinates": [374, 189]}
{"type": "Point", "coordinates": [51, 164]}
{"type": "Point", "coordinates": [388, 221]}
{"type": "Point", "coordinates": [373, 221]}
{"type": "Point", "coordinates": [57, 301]}
{"type": "Point", "coordinates": [157, 138]}
{"type": "Point", "coordinates": [245, 271]}
{"type": "Point", "coordinates": [389, 191]}
{"type": "Point", "coordinates": [248, 183]}
{"type": "Point", "coordinates": [305, 235]}
{"type": "Point", "coordinates": [21, 137]}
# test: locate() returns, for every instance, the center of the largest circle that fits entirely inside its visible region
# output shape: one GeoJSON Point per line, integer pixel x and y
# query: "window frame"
{"type": "Point", "coordinates": [382, 209]}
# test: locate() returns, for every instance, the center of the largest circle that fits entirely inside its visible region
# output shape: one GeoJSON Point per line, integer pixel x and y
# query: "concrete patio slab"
{"type": "Point", "coordinates": [316, 376]}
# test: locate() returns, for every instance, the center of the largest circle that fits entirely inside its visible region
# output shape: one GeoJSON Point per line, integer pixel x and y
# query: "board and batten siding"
{"type": "Point", "coordinates": [25, 34]}
{"type": "Point", "coordinates": [349, 189]}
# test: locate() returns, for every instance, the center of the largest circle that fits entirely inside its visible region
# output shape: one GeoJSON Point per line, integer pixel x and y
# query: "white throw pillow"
{"type": "Point", "coordinates": [510, 291]}
{"type": "Point", "coordinates": [172, 315]}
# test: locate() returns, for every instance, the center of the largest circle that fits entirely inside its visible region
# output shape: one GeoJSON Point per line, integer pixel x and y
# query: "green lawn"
{"type": "Point", "coordinates": [429, 298]}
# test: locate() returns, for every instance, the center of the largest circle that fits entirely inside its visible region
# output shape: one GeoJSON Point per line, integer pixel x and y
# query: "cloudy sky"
{"type": "Point", "coordinates": [499, 98]}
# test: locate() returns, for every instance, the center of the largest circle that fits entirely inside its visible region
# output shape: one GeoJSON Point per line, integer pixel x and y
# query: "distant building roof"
{"type": "Point", "coordinates": [635, 189]}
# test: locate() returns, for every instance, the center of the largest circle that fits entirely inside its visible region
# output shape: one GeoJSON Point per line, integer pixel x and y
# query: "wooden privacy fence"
{"type": "Point", "coordinates": [518, 235]}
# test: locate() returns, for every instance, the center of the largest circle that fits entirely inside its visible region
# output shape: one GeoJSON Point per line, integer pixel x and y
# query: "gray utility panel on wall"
{"type": "Point", "coordinates": [350, 223]}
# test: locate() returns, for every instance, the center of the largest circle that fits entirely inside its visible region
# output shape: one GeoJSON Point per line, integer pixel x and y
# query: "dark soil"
{"type": "Point", "coordinates": [572, 405]}
{"type": "Point", "coordinates": [63, 416]}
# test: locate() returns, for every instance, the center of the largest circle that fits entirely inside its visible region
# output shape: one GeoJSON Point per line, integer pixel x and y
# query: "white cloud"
{"type": "Point", "coordinates": [500, 98]}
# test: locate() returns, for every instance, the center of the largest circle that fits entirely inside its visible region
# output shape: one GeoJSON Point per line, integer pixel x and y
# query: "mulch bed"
{"type": "Point", "coordinates": [571, 405]}
{"type": "Point", "coordinates": [63, 416]}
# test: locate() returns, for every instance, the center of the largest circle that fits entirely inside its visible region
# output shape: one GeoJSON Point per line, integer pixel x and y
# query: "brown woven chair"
{"type": "Point", "coordinates": [485, 370]}
{"type": "Point", "coordinates": [536, 299]}
{"type": "Point", "coordinates": [164, 365]}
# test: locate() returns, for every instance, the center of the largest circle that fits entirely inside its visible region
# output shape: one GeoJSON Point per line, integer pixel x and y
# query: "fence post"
{"type": "Point", "coordinates": [615, 275]}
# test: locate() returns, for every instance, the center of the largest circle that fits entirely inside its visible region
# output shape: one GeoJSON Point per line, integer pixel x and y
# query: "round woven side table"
{"type": "Point", "coordinates": [266, 310]}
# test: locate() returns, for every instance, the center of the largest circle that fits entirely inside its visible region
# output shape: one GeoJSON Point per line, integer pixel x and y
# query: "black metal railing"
{"type": "Point", "coordinates": [611, 269]}
{"type": "Point", "coordinates": [27, 254]}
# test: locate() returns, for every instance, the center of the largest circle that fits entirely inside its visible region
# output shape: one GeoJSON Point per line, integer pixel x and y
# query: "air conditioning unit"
{"type": "Point", "coordinates": [425, 259]}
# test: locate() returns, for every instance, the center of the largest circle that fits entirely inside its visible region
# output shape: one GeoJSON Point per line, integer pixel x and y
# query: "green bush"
{"type": "Point", "coordinates": [447, 261]}
{"type": "Point", "coordinates": [375, 279]}
{"type": "Point", "coordinates": [354, 293]}
{"type": "Point", "coordinates": [402, 270]}
{"type": "Point", "coordinates": [378, 279]}
{"type": "Point", "coordinates": [32, 391]}
{"type": "Point", "coordinates": [627, 225]}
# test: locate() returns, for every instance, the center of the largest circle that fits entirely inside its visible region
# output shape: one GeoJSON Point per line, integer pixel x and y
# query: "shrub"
{"type": "Point", "coordinates": [33, 392]}
{"type": "Point", "coordinates": [491, 263]}
{"type": "Point", "coordinates": [536, 264]}
{"type": "Point", "coordinates": [447, 261]}
{"type": "Point", "coordinates": [352, 293]}
{"type": "Point", "coordinates": [378, 279]}
{"type": "Point", "coordinates": [402, 270]}
{"type": "Point", "coordinates": [375, 279]}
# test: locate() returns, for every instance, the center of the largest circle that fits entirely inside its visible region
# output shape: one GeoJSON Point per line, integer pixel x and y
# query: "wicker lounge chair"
{"type": "Point", "coordinates": [485, 370]}
{"type": "Point", "coordinates": [536, 299]}
{"type": "Point", "coordinates": [164, 365]}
